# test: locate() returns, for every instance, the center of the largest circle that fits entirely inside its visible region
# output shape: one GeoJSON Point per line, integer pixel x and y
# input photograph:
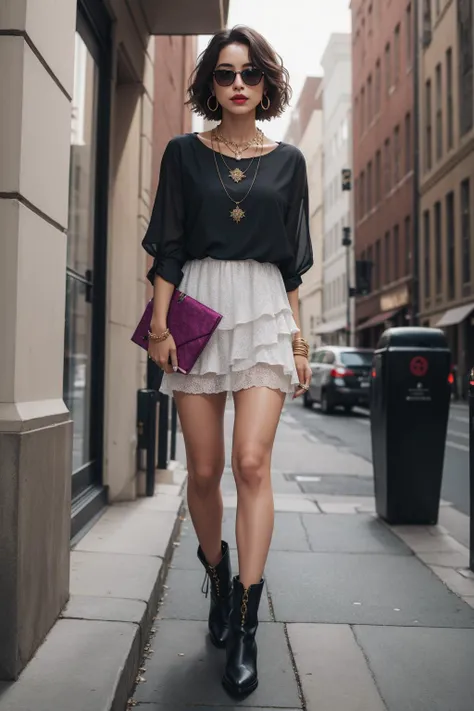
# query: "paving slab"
{"type": "Point", "coordinates": [424, 541]}
{"type": "Point", "coordinates": [289, 534]}
{"type": "Point", "coordinates": [282, 502]}
{"type": "Point", "coordinates": [352, 534]}
{"type": "Point", "coordinates": [423, 669]}
{"type": "Point", "coordinates": [356, 588]}
{"type": "Point", "coordinates": [195, 677]}
{"type": "Point", "coordinates": [78, 668]}
{"type": "Point", "coordinates": [344, 485]}
{"type": "Point", "coordinates": [133, 529]}
{"type": "Point", "coordinates": [114, 575]}
{"type": "Point", "coordinates": [112, 609]}
{"type": "Point", "coordinates": [456, 522]}
{"type": "Point", "coordinates": [183, 599]}
{"type": "Point", "coordinates": [332, 669]}
{"type": "Point", "coordinates": [164, 707]}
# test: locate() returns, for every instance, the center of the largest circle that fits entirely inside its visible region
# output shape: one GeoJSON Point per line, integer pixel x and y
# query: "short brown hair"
{"type": "Point", "coordinates": [262, 56]}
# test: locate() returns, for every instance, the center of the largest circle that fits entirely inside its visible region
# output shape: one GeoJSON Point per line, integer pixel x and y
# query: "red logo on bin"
{"type": "Point", "coordinates": [418, 366]}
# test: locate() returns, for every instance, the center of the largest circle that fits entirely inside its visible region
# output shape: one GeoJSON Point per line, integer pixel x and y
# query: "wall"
{"type": "Point", "coordinates": [373, 123]}
{"type": "Point", "coordinates": [311, 290]}
{"type": "Point", "coordinates": [336, 63]}
{"type": "Point", "coordinates": [35, 430]}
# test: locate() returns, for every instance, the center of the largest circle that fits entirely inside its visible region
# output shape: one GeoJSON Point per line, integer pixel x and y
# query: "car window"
{"type": "Point", "coordinates": [329, 357]}
{"type": "Point", "coordinates": [320, 356]}
{"type": "Point", "coordinates": [354, 358]}
{"type": "Point", "coordinates": [313, 358]}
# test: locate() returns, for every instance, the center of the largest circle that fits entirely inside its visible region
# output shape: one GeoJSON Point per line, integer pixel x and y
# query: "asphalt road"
{"type": "Point", "coordinates": [353, 432]}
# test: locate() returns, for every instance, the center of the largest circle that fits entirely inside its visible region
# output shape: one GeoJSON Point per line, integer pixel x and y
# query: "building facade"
{"type": "Point", "coordinates": [446, 139]}
{"type": "Point", "coordinates": [78, 126]}
{"type": "Point", "coordinates": [306, 132]}
{"type": "Point", "coordinates": [338, 259]}
{"type": "Point", "coordinates": [383, 89]}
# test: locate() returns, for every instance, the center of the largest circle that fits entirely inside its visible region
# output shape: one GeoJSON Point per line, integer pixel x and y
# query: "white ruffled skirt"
{"type": "Point", "coordinates": [251, 347]}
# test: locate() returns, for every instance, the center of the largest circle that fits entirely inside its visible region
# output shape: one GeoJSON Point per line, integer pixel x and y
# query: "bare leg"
{"type": "Point", "coordinates": [202, 422]}
{"type": "Point", "coordinates": [257, 413]}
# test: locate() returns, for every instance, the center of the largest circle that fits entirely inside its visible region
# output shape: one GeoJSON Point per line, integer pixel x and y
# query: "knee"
{"type": "Point", "coordinates": [205, 478]}
{"type": "Point", "coordinates": [250, 469]}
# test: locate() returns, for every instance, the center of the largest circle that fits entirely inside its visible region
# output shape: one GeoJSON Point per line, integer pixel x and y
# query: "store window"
{"type": "Point", "coordinates": [85, 273]}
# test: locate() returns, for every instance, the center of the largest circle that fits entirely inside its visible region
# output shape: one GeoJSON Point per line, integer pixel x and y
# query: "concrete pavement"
{"type": "Point", "coordinates": [357, 616]}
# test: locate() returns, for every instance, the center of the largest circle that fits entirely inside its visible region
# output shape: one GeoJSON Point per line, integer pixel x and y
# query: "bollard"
{"type": "Point", "coordinates": [174, 426]}
{"type": "Point", "coordinates": [471, 470]}
{"type": "Point", "coordinates": [163, 432]}
{"type": "Point", "coordinates": [146, 433]}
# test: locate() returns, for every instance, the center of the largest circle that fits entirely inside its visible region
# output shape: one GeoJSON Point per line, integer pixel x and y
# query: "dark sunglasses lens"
{"type": "Point", "coordinates": [224, 77]}
{"type": "Point", "coordinates": [251, 77]}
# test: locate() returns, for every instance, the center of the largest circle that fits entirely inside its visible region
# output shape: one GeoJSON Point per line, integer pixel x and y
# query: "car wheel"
{"type": "Point", "coordinates": [326, 406]}
{"type": "Point", "coordinates": [307, 401]}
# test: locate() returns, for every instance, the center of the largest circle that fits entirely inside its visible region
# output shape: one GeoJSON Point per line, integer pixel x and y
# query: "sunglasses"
{"type": "Point", "coordinates": [226, 77]}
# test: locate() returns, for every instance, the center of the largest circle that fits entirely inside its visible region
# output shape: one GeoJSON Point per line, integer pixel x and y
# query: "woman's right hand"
{"type": "Point", "coordinates": [164, 353]}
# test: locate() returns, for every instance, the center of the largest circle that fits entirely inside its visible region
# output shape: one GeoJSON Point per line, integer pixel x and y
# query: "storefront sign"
{"type": "Point", "coordinates": [395, 299]}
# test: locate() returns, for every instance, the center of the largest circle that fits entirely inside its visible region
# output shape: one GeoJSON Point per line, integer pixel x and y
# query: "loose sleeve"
{"type": "Point", "coordinates": [164, 238]}
{"type": "Point", "coordinates": [297, 228]}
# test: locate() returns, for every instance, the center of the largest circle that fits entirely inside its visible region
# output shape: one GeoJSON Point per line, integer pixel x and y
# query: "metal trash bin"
{"type": "Point", "coordinates": [409, 409]}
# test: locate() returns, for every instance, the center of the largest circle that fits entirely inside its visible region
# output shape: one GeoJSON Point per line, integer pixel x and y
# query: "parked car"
{"type": "Point", "coordinates": [341, 378]}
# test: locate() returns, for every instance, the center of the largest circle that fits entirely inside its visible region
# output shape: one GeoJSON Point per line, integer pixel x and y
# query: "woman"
{"type": "Point", "coordinates": [230, 227]}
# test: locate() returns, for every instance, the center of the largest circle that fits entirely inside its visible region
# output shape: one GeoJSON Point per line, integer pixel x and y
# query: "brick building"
{"type": "Point", "coordinates": [446, 139]}
{"type": "Point", "coordinates": [383, 95]}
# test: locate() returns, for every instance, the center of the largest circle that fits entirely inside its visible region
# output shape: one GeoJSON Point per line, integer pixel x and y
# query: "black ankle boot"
{"type": "Point", "coordinates": [220, 577]}
{"type": "Point", "coordinates": [240, 676]}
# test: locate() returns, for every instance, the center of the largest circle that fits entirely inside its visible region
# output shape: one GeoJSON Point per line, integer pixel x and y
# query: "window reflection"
{"type": "Point", "coordinates": [83, 163]}
{"type": "Point", "coordinates": [80, 251]}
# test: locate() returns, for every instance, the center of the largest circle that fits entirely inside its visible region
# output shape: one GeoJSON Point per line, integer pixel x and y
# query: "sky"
{"type": "Point", "coordinates": [299, 31]}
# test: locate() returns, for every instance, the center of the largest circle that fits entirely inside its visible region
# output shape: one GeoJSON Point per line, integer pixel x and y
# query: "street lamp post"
{"type": "Point", "coordinates": [346, 184]}
{"type": "Point", "coordinates": [347, 242]}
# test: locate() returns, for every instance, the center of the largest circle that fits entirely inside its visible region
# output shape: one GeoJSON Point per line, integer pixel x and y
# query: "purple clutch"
{"type": "Point", "coordinates": [190, 323]}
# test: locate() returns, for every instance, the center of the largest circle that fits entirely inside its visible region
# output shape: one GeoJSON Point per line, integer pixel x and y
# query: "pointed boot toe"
{"type": "Point", "coordinates": [240, 677]}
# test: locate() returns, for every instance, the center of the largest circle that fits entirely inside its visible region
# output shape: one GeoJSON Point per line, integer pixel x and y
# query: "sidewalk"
{"type": "Point", "coordinates": [355, 616]}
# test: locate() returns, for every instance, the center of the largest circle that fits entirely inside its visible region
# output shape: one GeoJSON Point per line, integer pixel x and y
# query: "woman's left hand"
{"type": "Point", "coordinates": [304, 375]}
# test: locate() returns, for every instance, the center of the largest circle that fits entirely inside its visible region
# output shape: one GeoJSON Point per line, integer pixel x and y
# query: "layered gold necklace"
{"type": "Point", "coordinates": [237, 174]}
{"type": "Point", "coordinates": [238, 148]}
{"type": "Point", "coordinates": [237, 214]}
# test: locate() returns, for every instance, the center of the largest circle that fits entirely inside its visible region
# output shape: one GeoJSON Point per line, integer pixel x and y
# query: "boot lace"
{"type": "Point", "coordinates": [210, 574]}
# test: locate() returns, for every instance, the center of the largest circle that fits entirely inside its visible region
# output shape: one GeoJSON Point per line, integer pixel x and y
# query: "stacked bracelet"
{"type": "Point", "coordinates": [158, 339]}
{"type": "Point", "coordinates": [300, 347]}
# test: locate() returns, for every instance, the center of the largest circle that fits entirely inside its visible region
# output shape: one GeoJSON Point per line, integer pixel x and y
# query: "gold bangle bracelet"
{"type": "Point", "coordinates": [158, 339]}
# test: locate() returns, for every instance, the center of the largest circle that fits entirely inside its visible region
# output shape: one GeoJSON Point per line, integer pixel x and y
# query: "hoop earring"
{"type": "Point", "coordinates": [265, 108]}
{"type": "Point", "coordinates": [217, 103]}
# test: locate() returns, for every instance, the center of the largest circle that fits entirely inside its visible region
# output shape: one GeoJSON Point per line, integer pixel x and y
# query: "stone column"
{"type": "Point", "coordinates": [37, 59]}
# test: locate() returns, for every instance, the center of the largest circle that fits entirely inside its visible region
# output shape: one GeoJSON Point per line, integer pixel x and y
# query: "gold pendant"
{"type": "Point", "coordinates": [237, 175]}
{"type": "Point", "coordinates": [237, 214]}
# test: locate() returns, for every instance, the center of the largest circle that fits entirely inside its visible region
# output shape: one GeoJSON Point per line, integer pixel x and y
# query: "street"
{"type": "Point", "coordinates": [352, 432]}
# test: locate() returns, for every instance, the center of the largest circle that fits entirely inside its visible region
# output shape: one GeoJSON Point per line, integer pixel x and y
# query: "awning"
{"type": "Point", "coordinates": [185, 17]}
{"type": "Point", "coordinates": [331, 326]}
{"type": "Point", "coordinates": [455, 316]}
{"type": "Point", "coordinates": [377, 320]}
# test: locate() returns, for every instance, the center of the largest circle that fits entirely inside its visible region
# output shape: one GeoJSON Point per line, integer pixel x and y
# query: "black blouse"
{"type": "Point", "coordinates": [191, 215]}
